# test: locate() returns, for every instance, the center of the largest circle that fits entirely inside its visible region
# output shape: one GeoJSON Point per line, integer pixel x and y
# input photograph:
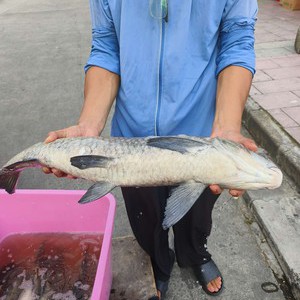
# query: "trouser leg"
{"type": "Point", "coordinates": [191, 232]}
{"type": "Point", "coordinates": [145, 209]}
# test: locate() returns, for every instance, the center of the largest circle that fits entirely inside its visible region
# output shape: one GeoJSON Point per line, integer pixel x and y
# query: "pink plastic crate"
{"type": "Point", "coordinates": [36, 211]}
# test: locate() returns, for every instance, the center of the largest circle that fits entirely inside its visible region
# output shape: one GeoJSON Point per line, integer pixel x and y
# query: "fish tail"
{"type": "Point", "coordinates": [9, 174]}
{"type": "Point", "coordinates": [8, 181]}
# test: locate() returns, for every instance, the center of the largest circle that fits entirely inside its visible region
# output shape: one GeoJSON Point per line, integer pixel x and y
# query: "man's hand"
{"type": "Point", "coordinates": [100, 90]}
{"type": "Point", "coordinates": [237, 137]}
{"type": "Point", "coordinates": [234, 83]}
{"type": "Point", "coordinates": [73, 131]}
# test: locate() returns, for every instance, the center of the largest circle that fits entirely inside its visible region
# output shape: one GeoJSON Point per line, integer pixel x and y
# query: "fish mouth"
{"type": "Point", "coordinates": [277, 178]}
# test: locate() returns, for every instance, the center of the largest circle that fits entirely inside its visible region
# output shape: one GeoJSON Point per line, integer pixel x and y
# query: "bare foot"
{"type": "Point", "coordinates": [215, 285]}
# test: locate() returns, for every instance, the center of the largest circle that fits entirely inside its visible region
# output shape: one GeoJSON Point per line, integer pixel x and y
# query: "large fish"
{"type": "Point", "coordinates": [189, 163]}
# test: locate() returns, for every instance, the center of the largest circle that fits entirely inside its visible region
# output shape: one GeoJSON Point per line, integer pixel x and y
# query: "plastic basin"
{"type": "Point", "coordinates": [40, 211]}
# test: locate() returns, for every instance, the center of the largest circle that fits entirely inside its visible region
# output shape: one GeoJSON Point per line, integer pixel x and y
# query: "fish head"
{"type": "Point", "coordinates": [270, 167]}
{"type": "Point", "coordinates": [254, 170]}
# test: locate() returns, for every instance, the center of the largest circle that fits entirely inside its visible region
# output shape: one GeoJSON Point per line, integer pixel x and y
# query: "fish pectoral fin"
{"type": "Point", "coordinates": [177, 143]}
{"type": "Point", "coordinates": [181, 200]}
{"type": "Point", "coordinates": [90, 161]}
{"type": "Point", "coordinates": [96, 191]}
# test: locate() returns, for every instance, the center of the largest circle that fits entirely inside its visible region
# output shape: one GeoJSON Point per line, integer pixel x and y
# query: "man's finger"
{"type": "Point", "coordinates": [58, 173]}
{"type": "Point", "coordinates": [46, 170]}
{"type": "Point", "coordinates": [236, 193]}
{"type": "Point", "coordinates": [215, 189]}
{"type": "Point", "coordinates": [249, 144]}
{"type": "Point", "coordinates": [51, 137]}
{"type": "Point", "coordinates": [54, 135]}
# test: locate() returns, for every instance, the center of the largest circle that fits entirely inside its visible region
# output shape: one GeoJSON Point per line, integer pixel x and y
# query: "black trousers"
{"type": "Point", "coordinates": [145, 208]}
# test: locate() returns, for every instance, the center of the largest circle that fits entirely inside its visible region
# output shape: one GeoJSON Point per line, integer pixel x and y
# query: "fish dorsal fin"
{"type": "Point", "coordinates": [181, 200]}
{"type": "Point", "coordinates": [180, 144]}
{"type": "Point", "coordinates": [83, 162]}
{"type": "Point", "coordinates": [96, 191]}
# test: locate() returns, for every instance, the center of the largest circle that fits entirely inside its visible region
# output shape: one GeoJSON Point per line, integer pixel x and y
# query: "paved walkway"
{"type": "Point", "coordinates": [276, 85]}
{"type": "Point", "coordinates": [272, 116]}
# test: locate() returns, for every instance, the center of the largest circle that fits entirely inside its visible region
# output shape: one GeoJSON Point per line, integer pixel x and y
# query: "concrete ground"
{"type": "Point", "coordinates": [44, 46]}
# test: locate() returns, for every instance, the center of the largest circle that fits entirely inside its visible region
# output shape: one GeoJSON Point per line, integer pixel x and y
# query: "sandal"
{"type": "Point", "coordinates": [207, 272]}
{"type": "Point", "coordinates": [162, 286]}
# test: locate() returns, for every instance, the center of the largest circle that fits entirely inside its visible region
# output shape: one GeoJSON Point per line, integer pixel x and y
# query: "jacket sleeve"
{"type": "Point", "coordinates": [105, 45]}
{"type": "Point", "coordinates": [236, 39]}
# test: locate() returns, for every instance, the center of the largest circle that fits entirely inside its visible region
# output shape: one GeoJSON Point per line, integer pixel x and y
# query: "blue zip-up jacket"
{"type": "Point", "coordinates": [169, 69]}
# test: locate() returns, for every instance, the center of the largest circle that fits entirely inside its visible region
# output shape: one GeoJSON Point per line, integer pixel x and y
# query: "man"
{"type": "Point", "coordinates": [183, 67]}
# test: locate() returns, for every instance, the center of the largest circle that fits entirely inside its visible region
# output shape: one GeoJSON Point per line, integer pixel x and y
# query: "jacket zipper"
{"type": "Point", "coordinates": [159, 78]}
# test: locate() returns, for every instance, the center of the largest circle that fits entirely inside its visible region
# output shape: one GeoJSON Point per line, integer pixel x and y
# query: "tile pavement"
{"type": "Point", "coordinates": [276, 89]}
{"type": "Point", "coordinates": [276, 84]}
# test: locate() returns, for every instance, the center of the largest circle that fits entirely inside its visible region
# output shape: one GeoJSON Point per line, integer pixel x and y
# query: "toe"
{"type": "Point", "coordinates": [210, 287]}
{"type": "Point", "coordinates": [213, 285]}
{"type": "Point", "coordinates": [219, 282]}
